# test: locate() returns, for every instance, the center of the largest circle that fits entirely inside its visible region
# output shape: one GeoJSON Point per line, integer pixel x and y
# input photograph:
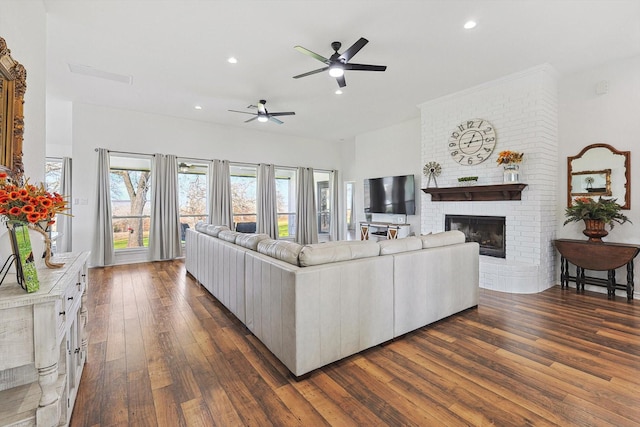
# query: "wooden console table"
{"type": "Point", "coordinates": [599, 257]}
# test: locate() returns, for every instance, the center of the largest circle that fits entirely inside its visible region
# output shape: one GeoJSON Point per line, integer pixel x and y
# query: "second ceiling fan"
{"type": "Point", "coordinates": [263, 115]}
{"type": "Point", "coordinates": [338, 63]}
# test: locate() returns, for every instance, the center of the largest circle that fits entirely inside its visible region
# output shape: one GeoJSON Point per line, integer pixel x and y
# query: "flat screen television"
{"type": "Point", "coordinates": [390, 195]}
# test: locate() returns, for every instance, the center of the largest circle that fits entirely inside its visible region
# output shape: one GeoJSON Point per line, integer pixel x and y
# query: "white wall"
{"type": "Point", "coordinates": [394, 150]}
{"type": "Point", "coordinates": [612, 118]}
{"type": "Point", "coordinates": [23, 25]}
{"type": "Point", "coordinates": [120, 130]}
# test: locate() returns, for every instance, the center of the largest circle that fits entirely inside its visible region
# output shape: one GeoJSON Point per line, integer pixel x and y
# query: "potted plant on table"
{"type": "Point", "coordinates": [595, 214]}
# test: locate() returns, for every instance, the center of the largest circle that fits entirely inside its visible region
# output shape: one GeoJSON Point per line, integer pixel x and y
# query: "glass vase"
{"type": "Point", "coordinates": [511, 173]}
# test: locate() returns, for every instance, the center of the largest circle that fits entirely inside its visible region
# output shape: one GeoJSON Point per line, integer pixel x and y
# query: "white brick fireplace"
{"type": "Point", "coordinates": [523, 108]}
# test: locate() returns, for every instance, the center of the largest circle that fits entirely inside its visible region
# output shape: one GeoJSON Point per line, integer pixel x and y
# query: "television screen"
{"type": "Point", "coordinates": [390, 195]}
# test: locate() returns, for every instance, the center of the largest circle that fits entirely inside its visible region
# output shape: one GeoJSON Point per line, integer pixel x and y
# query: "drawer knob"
{"type": "Point", "coordinates": [62, 313]}
{"type": "Point", "coordinates": [77, 350]}
{"type": "Point", "coordinates": [69, 299]}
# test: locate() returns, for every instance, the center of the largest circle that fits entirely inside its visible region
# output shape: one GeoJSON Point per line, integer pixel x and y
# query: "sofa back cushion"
{"type": "Point", "coordinates": [201, 226]}
{"type": "Point", "coordinates": [283, 250]}
{"type": "Point", "coordinates": [228, 235]}
{"type": "Point", "coordinates": [214, 230]}
{"type": "Point", "coordinates": [324, 253]}
{"type": "Point", "coordinates": [394, 246]}
{"type": "Point", "coordinates": [250, 241]}
{"type": "Point", "coordinates": [442, 239]}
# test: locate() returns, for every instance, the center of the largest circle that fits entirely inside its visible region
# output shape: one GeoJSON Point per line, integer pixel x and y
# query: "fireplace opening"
{"type": "Point", "coordinates": [488, 231]}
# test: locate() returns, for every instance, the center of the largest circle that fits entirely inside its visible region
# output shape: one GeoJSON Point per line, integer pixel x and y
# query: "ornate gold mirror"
{"type": "Point", "coordinates": [600, 170]}
{"type": "Point", "coordinates": [13, 84]}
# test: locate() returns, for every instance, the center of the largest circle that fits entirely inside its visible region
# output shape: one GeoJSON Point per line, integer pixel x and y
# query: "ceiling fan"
{"type": "Point", "coordinates": [263, 115]}
{"type": "Point", "coordinates": [338, 63]}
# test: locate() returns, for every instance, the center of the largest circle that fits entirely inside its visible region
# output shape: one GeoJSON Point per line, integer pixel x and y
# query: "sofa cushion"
{"type": "Point", "coordinates": [201, 226]}
{"type": "Point", "coordinates": [228, 235]}
{"type": "Point", "coordinates": [250, 240]}
{"type": "Point", "coordinates": [283, 250]}
{"type": "Point", "coordinates": [214, 230]}
{"type": "Point", "coordinates": [442, 239]}
{"type": "Point", "coordinates": [324, 253]}
{"type": "Point", "coordinates": [394, 246]}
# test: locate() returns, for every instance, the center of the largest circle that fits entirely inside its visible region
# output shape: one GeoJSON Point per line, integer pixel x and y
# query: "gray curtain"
{"type": "Point", "coordinates": [306, 218]}
{"type": "Point", "coordinates": [267, 201]}
{"type": "Point", "coordinates": [220, 208]}
{"type": "Point", "coordinates": [334, 225]}
{"type": "Point", "coordinates": [63, 243]}
{"type": "Point", "coordinates": [164, 233]}
{"type": "Point", "coordinates": [102, 252]}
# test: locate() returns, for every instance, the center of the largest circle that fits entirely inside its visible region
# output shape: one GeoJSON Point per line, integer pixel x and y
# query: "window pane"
{"type": "Point", "coordinates": [243, 194]}
{"type": "Point", "coordinates": [130, 192]}
{"type": "Point", "coordinates": [286, 191]}
{"type": "Point", "coordinates": [193, 189]}
{"type": "Point", "coordinates": [323, 201]}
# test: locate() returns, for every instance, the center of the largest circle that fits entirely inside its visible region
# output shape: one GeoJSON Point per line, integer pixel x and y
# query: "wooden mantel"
{"type": "Point", "coordinates": [476, 193]}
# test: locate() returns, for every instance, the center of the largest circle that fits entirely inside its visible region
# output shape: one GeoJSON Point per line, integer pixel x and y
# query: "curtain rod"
{"type": "Point", "coordinates": [188, 158]}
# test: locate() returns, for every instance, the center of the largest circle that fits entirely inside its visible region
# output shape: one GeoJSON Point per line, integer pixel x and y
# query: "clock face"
{"type": "Point", "coordinates": [472, 142]}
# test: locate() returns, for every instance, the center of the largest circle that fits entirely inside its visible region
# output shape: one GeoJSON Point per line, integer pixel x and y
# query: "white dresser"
{"type": "Point", "coordinates": [43, 345]}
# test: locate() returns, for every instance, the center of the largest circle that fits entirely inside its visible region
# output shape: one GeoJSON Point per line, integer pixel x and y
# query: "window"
{"type": "Point", "coordinates": [53, 181]}
{"type": "Point", "coordinates": [243, 195]}
{"type": "Point", "coordinates": [130, 208]}
{"type": "Point", "coordinates": [323, 200]}
{"type": "Point", "coordinates": [286, 193]}
{"type": "Point", "coordinates": [193, 189]}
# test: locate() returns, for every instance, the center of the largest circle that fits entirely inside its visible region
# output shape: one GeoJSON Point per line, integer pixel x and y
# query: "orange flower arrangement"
{"type": "Point", "coordinates": [509, 157]}
{"type": "Point", "coordinates": [29, 203]}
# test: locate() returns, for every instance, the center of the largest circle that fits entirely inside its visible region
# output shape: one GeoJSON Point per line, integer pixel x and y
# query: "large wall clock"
{"type": "Point", "coordinates": [472, 142]}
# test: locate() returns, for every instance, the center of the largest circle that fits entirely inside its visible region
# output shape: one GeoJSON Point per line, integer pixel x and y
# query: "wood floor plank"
{"type": "Point", "coordinates": [163, 351]}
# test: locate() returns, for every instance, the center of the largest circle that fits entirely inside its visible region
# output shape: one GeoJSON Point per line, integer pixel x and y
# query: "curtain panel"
{"type": "Point", "coordinates": [164, 233]}
{"type": "Point", "coordinates": [267, 201]}
{"type": "Point", "coordinates": [306, 218]}
{"type": "Point", "coordinates": [102, 252]}
{"type": "Point", "coordinates": [220, 207]}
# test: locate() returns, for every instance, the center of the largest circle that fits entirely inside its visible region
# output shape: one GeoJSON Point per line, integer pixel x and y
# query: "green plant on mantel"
{"type": "Point", "coordinates": [467, 178]}
{"type": "Point", "coordinates": [606, 210]}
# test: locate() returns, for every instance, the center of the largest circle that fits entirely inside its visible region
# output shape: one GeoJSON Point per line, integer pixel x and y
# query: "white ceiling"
{"type": "Point", "coordinates": [176, 51]}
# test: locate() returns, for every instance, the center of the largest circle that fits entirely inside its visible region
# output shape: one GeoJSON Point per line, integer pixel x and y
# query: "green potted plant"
{"type": "Point", "coordinates": [467, 180]}
{"type": "Point", "coordinates": [595, 214]}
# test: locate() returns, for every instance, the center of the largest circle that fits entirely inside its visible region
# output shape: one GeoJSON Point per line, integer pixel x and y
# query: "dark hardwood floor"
{"type": "Point", "coordinates": [164, 352]}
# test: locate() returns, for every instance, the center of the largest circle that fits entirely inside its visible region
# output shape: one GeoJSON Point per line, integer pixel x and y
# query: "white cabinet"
{"type": "Point", "coordinates": [43, 345]}
{"type": "Point", "coordinates": [383, 230]}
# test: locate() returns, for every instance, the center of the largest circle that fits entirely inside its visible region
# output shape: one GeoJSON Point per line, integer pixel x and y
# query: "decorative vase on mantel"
{"type": "Point", "coordinates": [511, 173]}
{"type": "Point", "coordinates": [594, 230]}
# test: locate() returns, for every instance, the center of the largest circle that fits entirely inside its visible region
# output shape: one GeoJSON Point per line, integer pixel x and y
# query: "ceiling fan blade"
{"type": "Point", "coordinates": [355, 48]}
{"type": "Point", "coordinates": [273, 119]}
{"type": "Point", "coordinates": [365, 67]}
{"type": "Point", "coordinates": [242, 112]}
{"type": "Point", "coordinates": [319, 70]}
{"type": "Point", "coordinates": [287, 113]}
{"type": "Point", "coordinates": [341, 81]}
{"type": "Point", "coordinates": [251, 119]}
{"type": "Point", "coordinates": [312, 54]}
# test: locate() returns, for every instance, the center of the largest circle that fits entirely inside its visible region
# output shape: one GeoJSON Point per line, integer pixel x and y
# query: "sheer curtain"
{"type": "Point", "coordinates": [63, 243]}
{"type": "Point", "coordinates": [164, 233]}
{"type": "Point", "coordinates": [267, 201]}
{"type": "Point", "coordinates": [102, 252]}
{"type": "Point", "coordinates": [334, 225]}
{"type": "Point", "coordinates": [220, 208]}
{"type": "Point", "coordinates": [306, 218]}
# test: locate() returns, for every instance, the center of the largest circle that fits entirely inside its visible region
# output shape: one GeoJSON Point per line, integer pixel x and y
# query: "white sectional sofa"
{"type": "Point", "coordinates": [315, 304]}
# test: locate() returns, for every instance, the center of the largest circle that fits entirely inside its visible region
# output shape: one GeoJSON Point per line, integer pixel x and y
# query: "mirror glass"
{"type": "Point", "coordinates": [600, 170]}
{"type": "Point", "coordinates": [591, 183]}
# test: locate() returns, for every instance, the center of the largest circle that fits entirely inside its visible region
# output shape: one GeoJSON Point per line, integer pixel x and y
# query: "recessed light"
{"type": "Point", "coordinates": [338, 92]}
{"type": "Point", "coordinates": [232, 60]}
{"type": "Point", "coordinates": [198, 107]}
{"type": "Point", "coordinates": [469, 25]}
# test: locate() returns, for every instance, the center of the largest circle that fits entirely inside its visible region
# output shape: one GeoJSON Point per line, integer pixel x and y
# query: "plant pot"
{"type": "Point", "coordinates": [511, 174]}
{"type": "Point", "coordinates": [594, 230]}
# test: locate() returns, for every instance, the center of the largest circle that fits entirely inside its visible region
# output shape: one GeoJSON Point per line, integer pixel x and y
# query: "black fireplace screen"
{"type": "Point", "coordinates": [488, 231]}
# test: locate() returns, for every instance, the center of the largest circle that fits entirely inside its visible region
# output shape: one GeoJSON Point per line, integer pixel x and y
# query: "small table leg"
{"type": "Point", "coordinates": [630, 281]}
{"type": "Point", "coordinates": [580, 279]}
{"type": "Point", "coordinates": [564, 272]}
{"type": "Point", "coordinates": [611, 284]}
